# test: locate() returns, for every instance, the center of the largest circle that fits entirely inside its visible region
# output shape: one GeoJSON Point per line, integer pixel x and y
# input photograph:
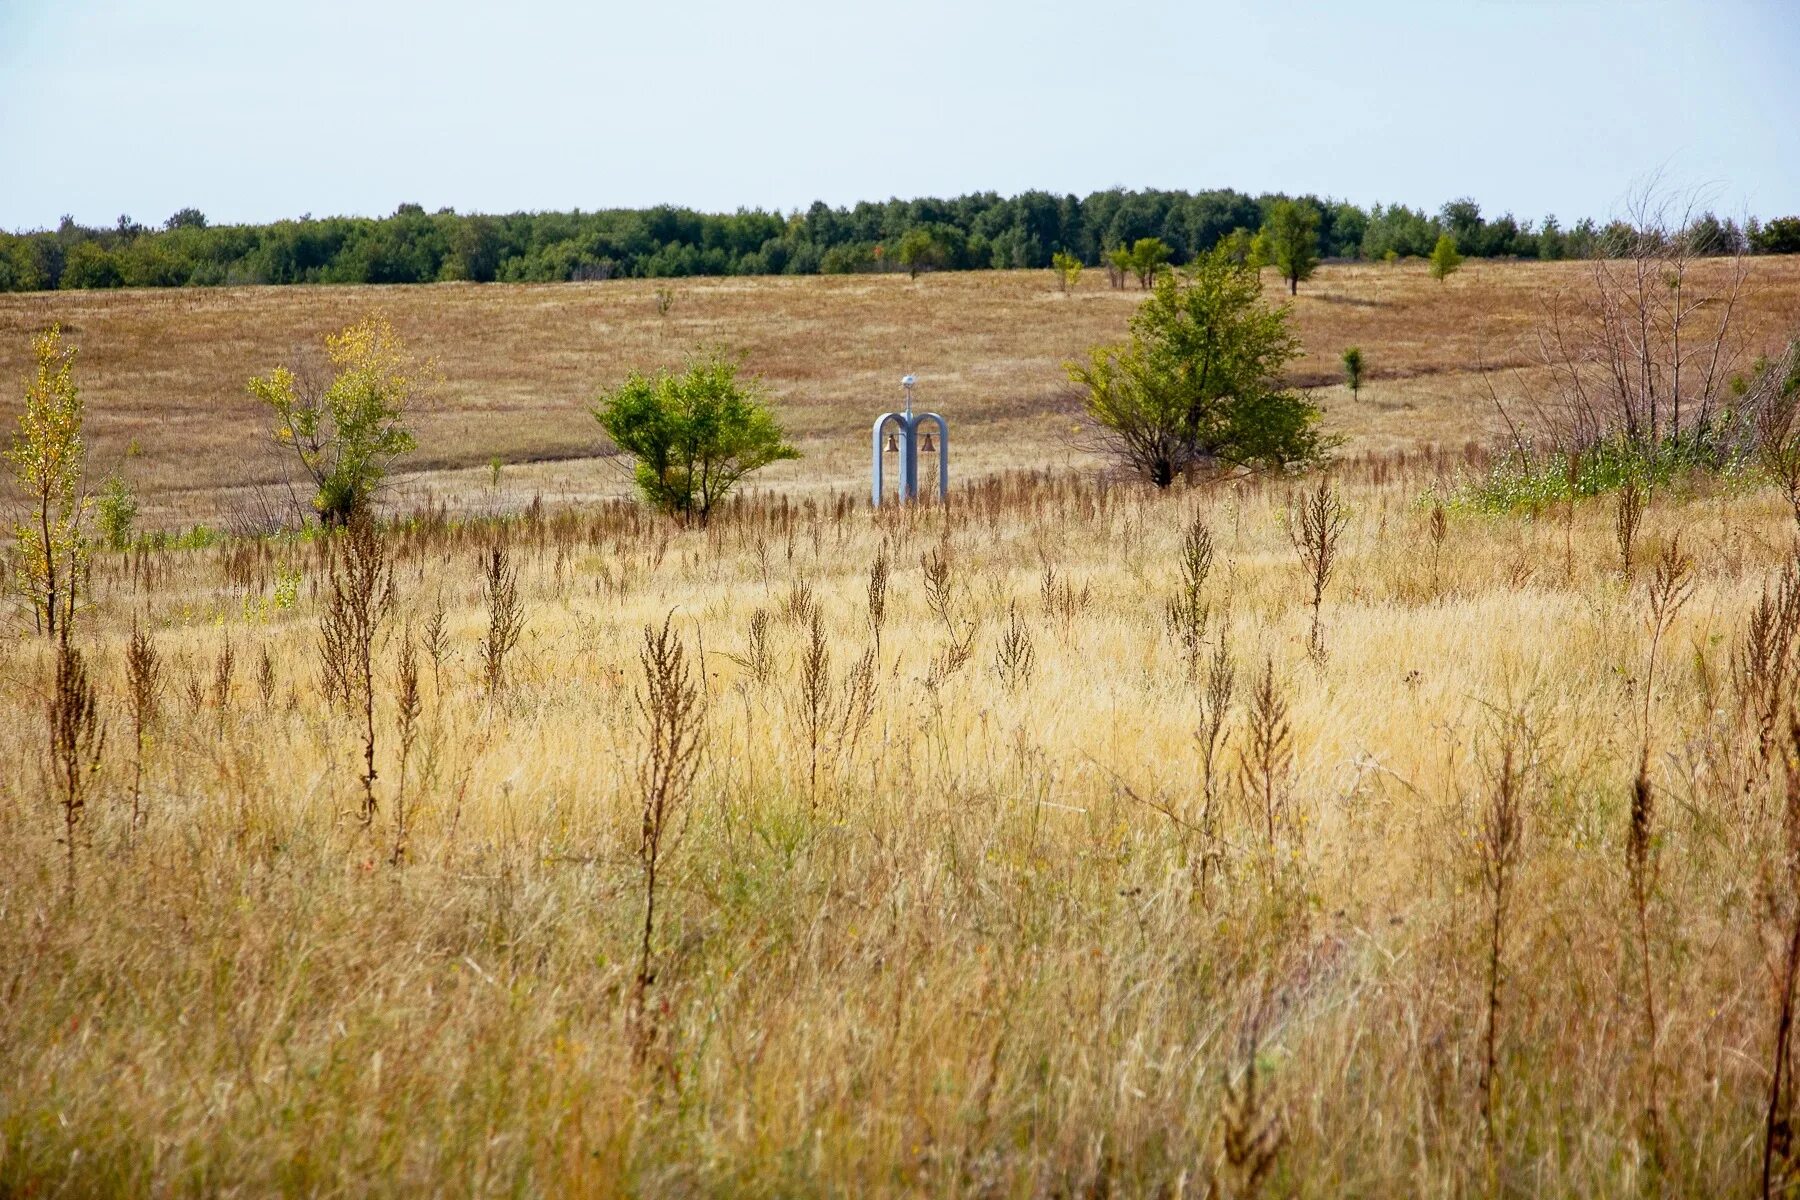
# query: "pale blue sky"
{"type": "Point", "coordinates": [253, 111]}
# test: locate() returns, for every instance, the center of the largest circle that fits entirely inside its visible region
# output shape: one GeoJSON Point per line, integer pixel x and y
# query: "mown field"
{"type": "Point", "coordinates": [987, 881]}
{"type": "Point", "coordinates": [164, 371]}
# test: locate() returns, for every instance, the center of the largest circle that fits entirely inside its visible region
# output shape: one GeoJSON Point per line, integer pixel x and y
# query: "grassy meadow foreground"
{"type": "Point", "coordinates": [964, 916]}
{"type": "Point", "coordinates": [1053, 842]}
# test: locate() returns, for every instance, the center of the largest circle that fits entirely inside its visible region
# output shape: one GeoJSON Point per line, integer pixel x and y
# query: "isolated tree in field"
{"type": "Point", "coordinates": [348, 432]}
{"type": "Point", "coordinates": [1444, 258]}
{"type": "Point", "coordinates": [1353, 371]}
{"type": "Point", "coordinates": [694, 434]}
{"type": "Point", "coordinates": [1148, 257]}
{"type": "Point", "coordinates": [1293, 241]}
{"type": "Point", "coordinates": [1067, 268]}
{"type": "Point", "coordinates": [48, 460]}
{"type": "Point", "coordinates": [920, 251]}
{"type": "Point", "coordinates": [1198, 382]}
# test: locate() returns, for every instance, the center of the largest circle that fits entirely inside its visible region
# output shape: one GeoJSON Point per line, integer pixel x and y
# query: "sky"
{"type": "Point", "coordinates": [256, 111]}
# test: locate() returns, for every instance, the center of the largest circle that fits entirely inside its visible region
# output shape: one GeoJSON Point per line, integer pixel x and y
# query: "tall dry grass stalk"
{"type": "Point", "coordinates": [359, 599]}
{"type": "Point", "coordinates": [1498, 844]}
{"type": "Point", "coordinates": [1188, 611]}
{"type": "Point", "coordinates": [1316, 523]}
{"type": "Point", "coordinates": [1670, 590]}
{"type": "Point", "coordinates": [672, 709]}
{"type": "Point", "coordinates": [77, 739]}
{"type": "Point", "coordinates": [143, 689]}
{"type": "Point", "coordinates": [1628, 515]}
{"type": "Point", "coordinates": [407, 707]}
{"type": "Point", "coordinates": [1266, 754]}
{"type": "Point", "coordinates": [505, 617]}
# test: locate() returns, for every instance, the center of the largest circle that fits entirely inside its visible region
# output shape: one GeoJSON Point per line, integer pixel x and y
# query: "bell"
{"type": "Point", "coordinates": [928, 445]}
{"type": "Point", "coordinates": [893, 442]}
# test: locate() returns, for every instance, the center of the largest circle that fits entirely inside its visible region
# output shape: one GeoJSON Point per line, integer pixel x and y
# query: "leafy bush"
{"type": "Point", "coordinates": [694, 434]}
{"type": "Point", "coordinates": [347, 433]}
{"type": "Point", "coordinates": [118, 512]}
{"type": "Point", "coordinates": [1199, 381]}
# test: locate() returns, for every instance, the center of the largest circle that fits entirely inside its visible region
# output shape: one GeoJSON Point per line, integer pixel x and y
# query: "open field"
{"type": "Point", "coordinates": [523, 364]}
{"type": "Point", "coordinates": [984, 884]}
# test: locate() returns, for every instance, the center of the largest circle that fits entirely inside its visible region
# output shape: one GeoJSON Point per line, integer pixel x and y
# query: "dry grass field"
{"type": "Point", "coordinates": [164, 371]}
{"type": "Point", "coordinates": [983, 882]}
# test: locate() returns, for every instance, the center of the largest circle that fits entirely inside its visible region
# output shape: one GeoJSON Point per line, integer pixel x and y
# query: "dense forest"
{"type": "Point", "coordinates": [975, 231]}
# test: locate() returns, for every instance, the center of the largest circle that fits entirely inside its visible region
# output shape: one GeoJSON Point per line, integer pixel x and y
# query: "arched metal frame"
{"type": "Point", "coordinates": [908, 429]}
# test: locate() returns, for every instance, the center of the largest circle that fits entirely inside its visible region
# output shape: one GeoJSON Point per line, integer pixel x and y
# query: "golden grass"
{"type": "Point", "coordinates": [1000, 949]}
{"type": "Point", "coordinates": [522, 364]}
{"type": "Point", "coordinates": [985, 958]}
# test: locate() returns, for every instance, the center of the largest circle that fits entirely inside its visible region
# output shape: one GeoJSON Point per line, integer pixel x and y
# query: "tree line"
{"type": "Point", "coordinates": [981, 230]}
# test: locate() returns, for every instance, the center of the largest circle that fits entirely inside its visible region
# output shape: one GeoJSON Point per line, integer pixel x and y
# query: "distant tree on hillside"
{"type": "Point", "coordinates": [1067, 268]}
{"type": "Point", "coordinates": [1198, 382]}
{"type": "Point", "coordinates": [1148, 257]}
{"type": "Point", "coordinates": [348, 432]}
{"type": "Point", "coordinates": [1444, 259]}
{"type": "Point", "coordinates": [1780, 236]}
{"type": "Point", "coordinates": [920, 250]}
{"type": "Point", "coordinates": [1293, 241]}
{"type": "Point", "coordinates": [694, 434]}
{"type": "Point", "coordinates": [1353, 371]}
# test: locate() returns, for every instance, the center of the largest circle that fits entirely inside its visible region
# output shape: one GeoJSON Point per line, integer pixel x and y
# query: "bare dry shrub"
{"type": "Point", "coordinates": [1643, 348]}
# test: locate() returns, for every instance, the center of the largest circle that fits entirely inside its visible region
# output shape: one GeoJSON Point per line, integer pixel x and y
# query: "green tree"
{"type": "Point", "coordinates": [118, 510]}
{"type": "Point", "coordinates": [1199, 381]}
{"type": "Point", "coordinates": [348, 433]}
{"type": "Point", "coordinates": [920, 250]}
{"type": "Point", "coordinates": [1259, 255]}
{"type": "Point", "coordinates": [694, 434]}
{"type": "Point", "coordinates": [1353, 371]}
{"type": "Point", "coordinates": [1444, 258]}
{"type": "Point", "coordinates": [1067, 268]}
{"type": "Point", "coordinates": [1779, 236]}
{"type": "Point", "coordinates": [1148, 257]}
{"type": "Point", "coordinates": [1293, 241]}
{"type": "Point", "coordinates": [48, 461]}
{"type": "Point", "coordinates": [1236, 245]}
